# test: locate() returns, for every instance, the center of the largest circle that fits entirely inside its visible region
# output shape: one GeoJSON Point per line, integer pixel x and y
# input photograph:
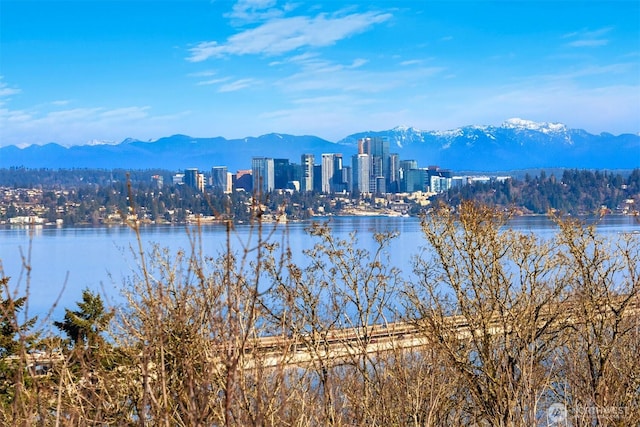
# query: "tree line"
{"type": "Point", "coordinates": [550, 333]}
{"type": "Point", "coordinates": [575, 192]}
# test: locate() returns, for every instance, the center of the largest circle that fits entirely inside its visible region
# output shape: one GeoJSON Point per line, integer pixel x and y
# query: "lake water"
{"type": "Point", "coordinates": [64, 261]}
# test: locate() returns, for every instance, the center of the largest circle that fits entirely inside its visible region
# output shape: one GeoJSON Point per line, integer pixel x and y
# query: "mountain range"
{"type": "Point", "coordinates": [516, 144]}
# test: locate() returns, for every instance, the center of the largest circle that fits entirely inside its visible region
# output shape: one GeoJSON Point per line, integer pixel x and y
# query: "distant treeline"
{"type": "Point", "coordinates": [574, 192]}
{"type": "Point", "coordinates": [51, 179]}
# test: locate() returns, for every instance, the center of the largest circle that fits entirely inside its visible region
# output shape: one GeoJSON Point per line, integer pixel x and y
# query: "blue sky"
{"type": "Point", "coordinates": [77, 71]}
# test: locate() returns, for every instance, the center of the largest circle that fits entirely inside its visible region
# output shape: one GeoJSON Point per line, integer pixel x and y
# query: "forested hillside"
{"type": "Point", "coordinates": [575, 192]}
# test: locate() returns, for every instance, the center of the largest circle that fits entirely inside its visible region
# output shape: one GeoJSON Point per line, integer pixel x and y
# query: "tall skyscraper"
{"type": "Point", "coordinates": [219, 178]}
{"type": "Point", "coordinates": [317, 178]}
{"type": "Point", "coordinates": [306, 163]}
{"type": "Point", "coordinates": [327, 173]}
{"type": "Point", "coordinates": [393, 186]}
{"type": "Point", "coordinates": [361, 171]}
{"type": "Point", "coordinates": [194, 179]}
{"type": "Point", "coordinates": [347, 178]}
{"type": "Point", "coordinates": [262, 171]}
{"type": "Point", "coordinates": [282, 173]}
{"type": "Point", "coordinates": [191, 177]}
{"type": "Point", "coordinates": [378, 149]}
{"type": "Point", "coordinates": [337, 182]}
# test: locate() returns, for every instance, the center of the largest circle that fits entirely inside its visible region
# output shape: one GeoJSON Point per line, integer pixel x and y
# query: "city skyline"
{"type": "Point", "coordinates": [372, 170]}
{"type": "Point", "coordinates": [74, 72]}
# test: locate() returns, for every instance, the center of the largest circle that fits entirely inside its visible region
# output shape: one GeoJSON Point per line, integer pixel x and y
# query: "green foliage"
{"type": "Point", "coordinates": [576, 192]}
{"type": "Point", "coordinates": [84, 326]}
{"type": "Point", "coordinates": [15, 340]}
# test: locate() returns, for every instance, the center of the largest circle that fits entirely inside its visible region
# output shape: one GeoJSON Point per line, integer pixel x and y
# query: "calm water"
{"type": "Point", "coordinates": [66, 260]}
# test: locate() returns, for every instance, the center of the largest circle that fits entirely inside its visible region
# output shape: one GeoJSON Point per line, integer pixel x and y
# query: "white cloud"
{"type": "Point", "coordinates": [255, 10]}
{"type": "Point", "coordinates": [237, 85]}
{"type": "Point", "coordinates": [213, 81]}
{"type": "Point", "coordinates": [344, 79]}
{"type": "Point", "coordinates": [282, 35]}
{"type": "Point", "coordinates": [589, 43]}
{"type": "Point", "coordinates": [586, 38]}
{"type": "Point", "coordinates": [6, 90]}
{"type": "Point", "coordinates": [411, 62]}
{"type": "Point", "coordinates": [206, 73]}
{"type": "Point", "coordinates": [358, 62]}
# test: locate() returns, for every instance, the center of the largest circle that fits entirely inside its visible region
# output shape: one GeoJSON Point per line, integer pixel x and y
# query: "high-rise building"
{"type": "Point", "coordinates": [347, 178]}
{"type": "Point", "coordinates": [262, 171]}
{"type": "Point", "coordinates": [317, 178]}
{"type": "Point", "coordinates": [306, 164]}
{"type": "Point", "coordinates": [393, 186]}
{"type": "Point", "coordinates": [219, 178]}
{"type": "Point", "coordinates": [328, 169]}
{"type": "Point", "coordinates": [378, 149]}
{"type": "Point", "coordinates": [282, 173]}
{"type": "Point", "coordinates": [405, 167]}
{"type": "Point", "coordinates": [361, 172]}
{"type": "Point", "coordinates": [331, 170]}
{"type": "Point", "coordinates": [416, 180]}
{"type": "Point", "coordinates": [191, 177]}
{"type": "Point", "coordinates": [194, 179]}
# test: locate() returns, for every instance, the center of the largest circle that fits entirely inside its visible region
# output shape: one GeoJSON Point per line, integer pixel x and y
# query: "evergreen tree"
{"type": "Point", "coordinates": [84, 326]}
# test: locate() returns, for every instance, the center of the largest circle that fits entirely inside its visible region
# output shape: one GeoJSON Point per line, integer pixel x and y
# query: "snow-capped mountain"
{"type": "Point", "coordinates": [515, 144]}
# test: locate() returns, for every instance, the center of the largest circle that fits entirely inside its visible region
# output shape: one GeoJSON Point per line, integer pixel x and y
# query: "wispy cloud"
{"type": "Point", "coordinates": [6, 90]}
{"type": "Point", "coordinates": [206, 73]}
{"type": "Point", "coordinates": [213, 81]}
{"type": "Point", "coordinates": [586, 38]}
{"type": "Point", "coordinates": [411, 62]}
{"type": "Point", "coordinates": [283, 35]}
{"type": "Point", "coordinates": [358, 62]}
{"type": "Point", "coordinates": [344, 79]}
{"type": "Point", "coordinates": [237, 85]}
{"type": "Point", "coordinates": [255, 10]}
